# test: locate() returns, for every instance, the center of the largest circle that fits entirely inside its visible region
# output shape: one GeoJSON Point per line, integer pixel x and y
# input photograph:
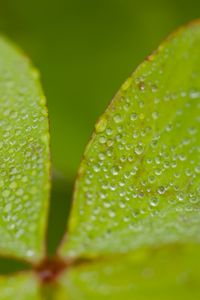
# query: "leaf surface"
{"type": "Point", "coordinates": [19, 287]}
{"type": "Point", "coordinates": [139, 181]}
{"type": "Point", "coordinates": [24, 157]}
{"type": "Point", "coordinates": [157, 274]}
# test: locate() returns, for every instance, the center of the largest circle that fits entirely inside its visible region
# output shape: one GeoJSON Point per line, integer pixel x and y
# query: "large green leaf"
{"type": "Point", "coordinates": [19, 287]}
{"type": "Point", "coordinates": [138, 183]}
{"type": "Point", "coordinates": [167, 273]}
{"type": "Point", "coordinates": [24, 157]}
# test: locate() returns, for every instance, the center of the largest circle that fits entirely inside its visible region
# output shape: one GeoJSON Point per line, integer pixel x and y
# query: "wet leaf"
{"type": "Point", "coordinates": [19, 287]}
{"type": "Point", "coordinates": [24, 157]}
{"type": "Point", "coordinates": [139, 181]}
{"type": "Point", "coordinates": [165, 273]}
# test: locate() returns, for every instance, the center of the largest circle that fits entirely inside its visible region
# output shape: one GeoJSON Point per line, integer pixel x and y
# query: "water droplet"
{"type": "Point", "coordinates": [155, 115]}
{"type": "Point", "coordinates": [102, 140]}
{"type": "Point", "coordinates": [115, 170]}
{"type": "Point", "coordinates": [112, 214]}
{"type": "Point", "coordinates": [101, 125]}
{"type": "Point", "coordinates": [161, 190]}
{"type": "Point", "coordinates": [133, 117]}
{"type": "Point", "coordinates": [117, 118]}
{"type": "Point", "coordinates": [139, 150]}
{"type": "Point", "coordinates": [154, 201]}
{"type": "Point", "coordinates": [6, 193]}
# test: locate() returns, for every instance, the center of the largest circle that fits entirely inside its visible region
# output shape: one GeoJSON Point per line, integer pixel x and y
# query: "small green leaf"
{"type": "Point", "coordinates": [24, 157]}
{"type": "Point", "coordinates": [167, 273]}
{"type": "Point", "coordinates": [139, 181]}
{"type": "Point", "coordinates": [19, 287]}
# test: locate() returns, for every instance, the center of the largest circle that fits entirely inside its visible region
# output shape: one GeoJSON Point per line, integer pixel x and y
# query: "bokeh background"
{"type": "Point", "coordinates": [84, 50]}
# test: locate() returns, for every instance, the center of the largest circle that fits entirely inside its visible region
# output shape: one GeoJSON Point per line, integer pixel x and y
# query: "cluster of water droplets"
{"type": "Point", "coordinates": [140, 180]}
{"type": "Point", "coordinates": [23, 156]}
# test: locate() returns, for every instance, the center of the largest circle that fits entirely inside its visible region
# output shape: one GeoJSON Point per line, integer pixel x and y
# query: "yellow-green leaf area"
{"type": "Point", "coordinates": [139, 181]}
{"type": "Point", "coordinates": [20, 287]}
{"type": "Point", "coordinates": [157, 274]}
{"type": "Point", "coordinates": [24, 156]}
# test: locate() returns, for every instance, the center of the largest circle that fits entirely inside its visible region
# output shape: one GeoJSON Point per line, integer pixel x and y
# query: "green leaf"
{"type": "Point", "coordinates": [19, 287]}
{"type": "Point", "coordinates": [167, 273]}
{"type": "Point", "coordinates": [139, 181]}
{"type": "Point", "coordinates": [24, 157]}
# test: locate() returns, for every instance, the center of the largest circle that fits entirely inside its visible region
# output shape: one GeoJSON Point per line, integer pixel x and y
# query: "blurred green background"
{"type": "Point", "coordinates": [84, 50]}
